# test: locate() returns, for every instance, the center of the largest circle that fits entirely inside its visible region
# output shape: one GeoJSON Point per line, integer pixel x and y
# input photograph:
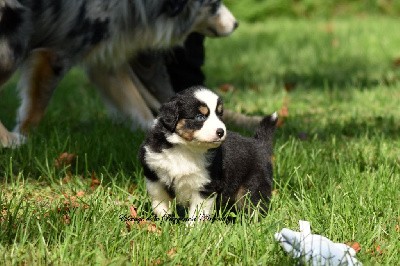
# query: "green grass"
{"type": "Point", "coordinates": [337, 155]}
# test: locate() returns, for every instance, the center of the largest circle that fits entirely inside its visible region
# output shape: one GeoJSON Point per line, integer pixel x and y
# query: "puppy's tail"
{"type": "Point", "coordinates": [266, 129]}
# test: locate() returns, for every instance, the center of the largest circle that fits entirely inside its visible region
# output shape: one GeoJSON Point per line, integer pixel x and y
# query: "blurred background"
{"type": "Point", "coordinates": [258, 10]}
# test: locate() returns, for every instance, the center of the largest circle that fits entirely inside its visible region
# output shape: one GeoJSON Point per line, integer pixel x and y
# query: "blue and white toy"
{"type": "Point", "coordinates": [315, 249]}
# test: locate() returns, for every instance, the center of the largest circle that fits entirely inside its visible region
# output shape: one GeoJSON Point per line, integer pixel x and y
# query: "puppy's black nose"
{"type": "Point", "coordinates": [220, 132]}
{"type": "Point", "coordinates": [236, 25]}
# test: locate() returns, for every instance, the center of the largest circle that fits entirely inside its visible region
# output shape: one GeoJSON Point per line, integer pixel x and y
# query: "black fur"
{"type": "Point", "coordinates": [173, 7]}
{"type": "Point", "coordinates": [10, 20]}
{"type": "Point", "coordinates": [245, 162]}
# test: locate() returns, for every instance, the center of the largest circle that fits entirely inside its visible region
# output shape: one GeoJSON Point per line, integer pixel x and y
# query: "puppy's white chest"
{"type": "Point", "coordinates": [179, 168]}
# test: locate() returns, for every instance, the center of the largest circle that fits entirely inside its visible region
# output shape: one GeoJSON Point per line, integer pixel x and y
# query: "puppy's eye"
{"type": "Point", "coordinates": [200, 117]}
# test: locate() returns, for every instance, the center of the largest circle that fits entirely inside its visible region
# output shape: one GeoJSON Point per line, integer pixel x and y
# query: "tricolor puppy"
{"type": "Point", "coordinates": [189, 155]}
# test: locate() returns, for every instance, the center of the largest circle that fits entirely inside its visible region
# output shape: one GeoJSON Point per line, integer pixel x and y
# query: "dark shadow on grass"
{"type": "Point", "coordinates": [329, 67]}
{"type": "Point", "coordinates": [101, 147]}
{"type": "Point", "coordinates": [374, 127]}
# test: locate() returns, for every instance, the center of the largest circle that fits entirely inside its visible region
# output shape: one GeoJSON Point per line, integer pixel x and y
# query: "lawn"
{"type": "Point", "coordinates": [335, 83]}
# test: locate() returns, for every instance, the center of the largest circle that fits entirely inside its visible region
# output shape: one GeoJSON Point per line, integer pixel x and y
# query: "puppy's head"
{"type": "Point", "coordinates": [215, 19]}
{"type": "Point", "coordinates": [193, 117]}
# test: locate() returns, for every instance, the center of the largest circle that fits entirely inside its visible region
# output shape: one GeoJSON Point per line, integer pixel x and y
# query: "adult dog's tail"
{"type": "Point", "coordinates": [266, 129]}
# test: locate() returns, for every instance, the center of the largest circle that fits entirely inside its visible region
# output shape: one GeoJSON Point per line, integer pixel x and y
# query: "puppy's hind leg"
{"type": "Point", "coordinates": [40, 75]}
{"type": "Point", "coordinates": [121, 94]}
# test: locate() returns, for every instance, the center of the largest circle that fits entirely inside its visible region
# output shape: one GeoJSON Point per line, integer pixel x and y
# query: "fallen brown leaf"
{"type": "Point", "coordinates": [396, 62]}
{"type": "Point", "coordinates": [379, 250]}
{"type": "Point", "coordinates": [95, 182]}
{"type": "Point", "coordinates": [80, 194]}
{"type": "Point", "coordinates": [156, 262]}
{"type": "Point", "coordinates": [226, 87]}
{"type": "Point", "coordinates": [289, 86]}
{"type": "Point", "coordinates": [71, 202]}
{"type": "Point", "coordinates": [354, 245]}
{"type": "Point", "coordinates": [172, 252]}
{"type": "Point", "coordinates": [283, 113]}
{"type": "Point", "coordinates": [66, 219]}
{"type": "Point", "coordinates": [132, 188]}
{"type": "Point", "coordinates": [140, 222]}
{"type": "Point", "coordinates": [376, 250]}
{"type": "Point", "coordinates": [67, 179]}
{"type": "Point", "coordinates": [65, 159]}
{"type": "Point", "coordinates": [3, 215]}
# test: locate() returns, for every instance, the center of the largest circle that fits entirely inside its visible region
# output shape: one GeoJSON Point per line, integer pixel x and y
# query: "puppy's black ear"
{"type": "Point", "coordinates": [169, 113]}
{"type": "Point", "coordinates": [173, 7]}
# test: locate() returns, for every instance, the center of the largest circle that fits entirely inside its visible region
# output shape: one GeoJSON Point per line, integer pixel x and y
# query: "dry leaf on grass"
{"type": "Point", "coordinates": [283, 113]}
{"type": "Point", "coordinates": [289, 86]}
{"type": "Point", "coordinates": [80, 194]}
{"type": "Point", "coordinates": [3, 215]}
{"type": "Point", "coordinates": [67, 179]}
{"type": "Point", "coordinates": [94, 182]}
{"type": "Point", "coordinates": [376, 250]}
{"type": "Point", "coordinates": [379, 250]}
{"type": "Point", "coordinates": [66, 219]}
{"type": "Point", "coordinates": [140, 222]}
{"type": "Point", "coordinates": [172, 252]}
{"type": "Point", "coordinates": [156, 262]}
{"type": "Point", "coordinates": [396, 62]}
{"type": "Point", "coordinates": [226, 87]}
{"type": "Point", "coordinates": [65, 159]}
{"type": "Point", "coordinates": [71, 202]}
{"type": "Point", "coordinates": [354, 245]}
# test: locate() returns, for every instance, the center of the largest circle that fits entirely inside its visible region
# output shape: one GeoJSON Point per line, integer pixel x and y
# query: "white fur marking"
{"type": "Point", "coordinates": [160, 199]}
{"type": "Point", "coordinates": [180, 168]}
{"type": "Point", "coordinates": [226, 21]}
{"type": "Point", "coordinates": [208, 133]}
{"type": "Point", "coordinates": [274, 116]}
{"type": "Point", "coordinates": [200, 208]}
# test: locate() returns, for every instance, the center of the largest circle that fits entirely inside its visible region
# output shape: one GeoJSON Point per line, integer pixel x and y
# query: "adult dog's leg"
{"type": "Point", "coordinates": [10, 139]}
{"type": "Point", "coordinates": [150, 68]}
{"type": "Point", "coordinates": [121, 90]}
{"type": "Point", "coordinates": [14, 29]}
{"type": "Point", "coordinates": [7, 139]}
{"type": "Point", "coordinates": [40, 75]}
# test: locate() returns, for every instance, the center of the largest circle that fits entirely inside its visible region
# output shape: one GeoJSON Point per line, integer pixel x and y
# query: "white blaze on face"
{"type": "Point", "coordinates": [219, 24]}
{"type": "Point", "coordinates": [224, 22]}
{"type": "Point", "coordinates": [208, 133]}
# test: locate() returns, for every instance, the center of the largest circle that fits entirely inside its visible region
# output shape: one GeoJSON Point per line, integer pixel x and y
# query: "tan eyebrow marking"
{"type": "Point", "coordinates": [220, 108]}
{"type": "Point", "coordinates": [185, 133]}
{"type": "Point", "coordinates": [204, 110]}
